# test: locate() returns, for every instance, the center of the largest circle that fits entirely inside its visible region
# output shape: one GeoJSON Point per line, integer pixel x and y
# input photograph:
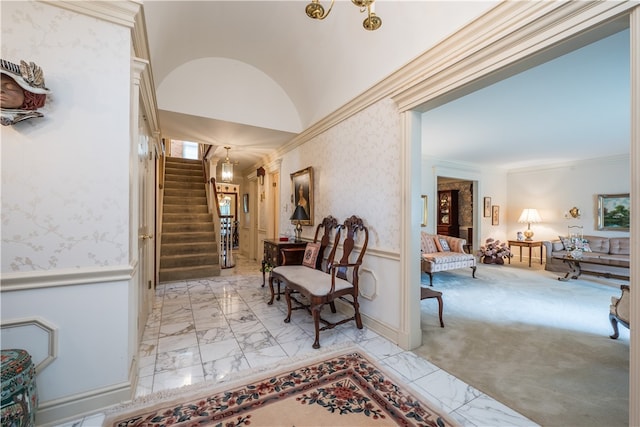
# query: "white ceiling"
{"type": "Point", "coordinates": [574, 107]}
{"type": "Point", "coordinates": [253, 74]}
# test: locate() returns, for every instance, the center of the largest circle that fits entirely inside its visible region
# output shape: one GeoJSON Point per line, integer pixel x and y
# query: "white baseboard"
{"type": "Point", "coordinates": [72, 408]}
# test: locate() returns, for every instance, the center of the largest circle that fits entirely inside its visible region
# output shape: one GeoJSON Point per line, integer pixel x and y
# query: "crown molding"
{"type": "Point", "coordinates": [119, 12]}
{"type": "Point", "coordinates": [505, 35]}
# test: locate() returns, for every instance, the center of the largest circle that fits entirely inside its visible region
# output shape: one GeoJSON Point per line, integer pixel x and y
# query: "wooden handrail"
{"type": "Point", "coordinates": [215, 196]}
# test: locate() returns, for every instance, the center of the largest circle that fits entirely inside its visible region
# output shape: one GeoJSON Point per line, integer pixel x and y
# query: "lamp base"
{"type": "Point", "coordinates": [298, 231]}
{"type": "Point", "coordinates": [528, 234]}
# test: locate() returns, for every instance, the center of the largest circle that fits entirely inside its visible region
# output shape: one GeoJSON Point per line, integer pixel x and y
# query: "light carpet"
{"type": "Point", "coordinates": [343, 389]}
{"type": "Point", "coordinates": [538, 345]}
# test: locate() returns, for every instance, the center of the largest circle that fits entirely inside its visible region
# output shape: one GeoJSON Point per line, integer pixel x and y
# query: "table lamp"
{"type": "Point", "coordinates": [529, 216]}
{"type": "Point", "coordinates": [299, 214]}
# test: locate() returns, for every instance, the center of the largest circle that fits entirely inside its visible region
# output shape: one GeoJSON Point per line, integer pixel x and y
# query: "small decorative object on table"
{"type": "Point", "coordinates": [494, 251]}
{"type": "Point", "coordinates": [575, 244]}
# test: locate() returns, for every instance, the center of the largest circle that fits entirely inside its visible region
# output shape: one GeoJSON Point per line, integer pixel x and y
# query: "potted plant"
{"type": "Point", "coordinates": [494, 252]}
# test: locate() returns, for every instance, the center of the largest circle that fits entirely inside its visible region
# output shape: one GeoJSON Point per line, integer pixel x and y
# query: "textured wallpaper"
{"type": "Point", "coordinates": [356, 167]}
{"type": "Point", "coordinates": [65, 177]}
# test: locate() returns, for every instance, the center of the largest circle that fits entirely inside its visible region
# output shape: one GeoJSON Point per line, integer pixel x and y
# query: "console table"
{"type": "Point", "coordinates": [273, 257]}
{"type": "Point", "coordinates": [527, 244]}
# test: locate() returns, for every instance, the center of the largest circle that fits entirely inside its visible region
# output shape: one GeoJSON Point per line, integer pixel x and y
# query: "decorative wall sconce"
{"type": "Point", "coordinates": [260, 173]}
{"type": "Point", "coordinates": [574, 212]}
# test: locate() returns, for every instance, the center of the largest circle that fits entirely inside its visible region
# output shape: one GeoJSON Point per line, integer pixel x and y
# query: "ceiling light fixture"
{"type": "Point", "coordinates": [227, 168]}
{"type": "Point", "coordinates": [372, 22]}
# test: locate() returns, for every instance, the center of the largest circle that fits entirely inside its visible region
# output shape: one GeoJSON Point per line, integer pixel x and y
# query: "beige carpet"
{"type": "Point", "coordinates": [343, 389]}
{"type": "Point", "coordinates": [538, 345]}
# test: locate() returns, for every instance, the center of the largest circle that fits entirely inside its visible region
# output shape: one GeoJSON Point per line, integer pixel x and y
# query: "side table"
{"type": "Point", "coordinates": [526, 244]}
{"type": "Point", "coordinates": [273, 256]}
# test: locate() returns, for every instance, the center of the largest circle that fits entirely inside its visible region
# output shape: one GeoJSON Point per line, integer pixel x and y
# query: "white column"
{"type": "Point", "coordinates": [410, 334]}
{"type": "Point", "coordinates": [634, 369]}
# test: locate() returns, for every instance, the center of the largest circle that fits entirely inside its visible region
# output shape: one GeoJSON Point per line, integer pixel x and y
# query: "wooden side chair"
{"type": "Point", "coordinates": [328, 225]}
{"type": "Point", "coordinates": [291, 256]}
{"type": "Point", "coordinates": [340, 281]}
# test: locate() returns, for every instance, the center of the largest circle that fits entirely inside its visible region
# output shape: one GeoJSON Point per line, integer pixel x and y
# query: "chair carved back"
{"type": "Point", "coordinates": [352, 227]}
{"type": "Point", "coordinates": [328, 224]}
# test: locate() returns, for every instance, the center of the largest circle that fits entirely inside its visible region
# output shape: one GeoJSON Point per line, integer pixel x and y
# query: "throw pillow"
{"type": "Point", "coordinates": [566, 242]}
{"type": "Point", "coordinates": [444, 245]}
{"type": "Point", "coordinates": [586, 247]}
{"type": "Point", "coordinates": [428, 246]}
{"type": "Point", "coordinates": [311, 255]}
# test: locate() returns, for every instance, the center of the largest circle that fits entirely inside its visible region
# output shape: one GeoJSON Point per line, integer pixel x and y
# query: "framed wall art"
{"type": "Point", "coordinates": [487, 207]}
{"type": "Point", "coordinates": [495, 215]}
{"type": "Point", "coordinates": [302, 192]}
{"type": "Point", "coordinates": [614, 212]}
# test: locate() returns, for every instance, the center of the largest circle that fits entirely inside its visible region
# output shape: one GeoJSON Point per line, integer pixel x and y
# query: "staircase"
{"type": "Point", "coordinates": [188, 248]}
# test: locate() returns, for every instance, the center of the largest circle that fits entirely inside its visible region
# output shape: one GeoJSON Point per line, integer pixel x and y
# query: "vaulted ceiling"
{"type": "Point", "coordinates": [253, 74]}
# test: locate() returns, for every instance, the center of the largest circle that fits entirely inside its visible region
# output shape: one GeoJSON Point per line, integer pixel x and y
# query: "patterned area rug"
{"type": "Point", "coordinates": [341, 390]}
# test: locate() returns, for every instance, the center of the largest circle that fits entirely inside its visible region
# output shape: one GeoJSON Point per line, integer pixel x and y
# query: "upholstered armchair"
{"type": "Point", "coordinates": [619, 310]}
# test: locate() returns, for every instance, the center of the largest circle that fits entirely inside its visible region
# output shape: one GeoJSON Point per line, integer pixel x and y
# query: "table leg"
{"type": "Point", "coordinates": [574, 270]}
{"type": "Point", "coordinates": [540, 254]}
{"type": "Point", "coordinates": [440, 310]}
{"type": "Point", "coordinates": [272, 291]}
{"type": "Point", "coordinates": [529, 256]}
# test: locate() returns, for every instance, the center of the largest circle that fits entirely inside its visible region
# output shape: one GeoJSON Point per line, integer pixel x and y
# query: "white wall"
{"type": "Point", "coordinates": [356, 167]}
{"type": "Point", "coordinates": [553, 190]}
{"type": "Point", "coordinates": [65, 207]}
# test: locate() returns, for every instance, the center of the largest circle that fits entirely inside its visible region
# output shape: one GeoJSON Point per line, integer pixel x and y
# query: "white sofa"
{"type": "Point", "coordinates": [442, 253]}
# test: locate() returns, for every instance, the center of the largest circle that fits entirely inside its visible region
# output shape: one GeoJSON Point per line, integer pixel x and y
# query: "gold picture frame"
{"type": "Point", "coordinates": [614, 212]}
{"type": "Point", "coordinates": [424, 210]}
{"type": "Point", "coordinates": [302, 192]}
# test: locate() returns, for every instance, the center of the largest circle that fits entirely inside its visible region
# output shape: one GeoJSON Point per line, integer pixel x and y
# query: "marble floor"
{"type": "Point", "coordinates": [208, 330]}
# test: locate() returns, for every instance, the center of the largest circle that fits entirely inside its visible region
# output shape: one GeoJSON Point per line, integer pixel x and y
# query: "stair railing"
{"type": "Point", "coordinates": [224, 229]}
{"type": "Point", "coordinates": [225, 225]}
{"type": "Point", "coordinates": [226, 239]}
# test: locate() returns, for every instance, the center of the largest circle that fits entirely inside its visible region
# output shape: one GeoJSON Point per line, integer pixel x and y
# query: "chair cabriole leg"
{"type": "Point", "coordinates": [287, 296]}
{"type": "Point", "coordinates": [614, 323]}
{"type": "Point", "coordinates": [315, 310]}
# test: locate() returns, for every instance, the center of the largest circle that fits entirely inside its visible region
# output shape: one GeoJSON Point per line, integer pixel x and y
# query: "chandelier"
{"type": "Point", "coordinates": [227, 168]}
{"type": "Point", "coordinates": [371, 22]}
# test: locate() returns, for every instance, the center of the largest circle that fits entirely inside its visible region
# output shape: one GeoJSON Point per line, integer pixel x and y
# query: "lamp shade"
{"type": "Point", "coordinates": [529, 216]}
{"type": "Point", "coordinates": [299, 214]}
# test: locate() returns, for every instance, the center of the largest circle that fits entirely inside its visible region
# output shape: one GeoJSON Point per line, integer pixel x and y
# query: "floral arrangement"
{"type": "Point", "coordinates": [494, 251]}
